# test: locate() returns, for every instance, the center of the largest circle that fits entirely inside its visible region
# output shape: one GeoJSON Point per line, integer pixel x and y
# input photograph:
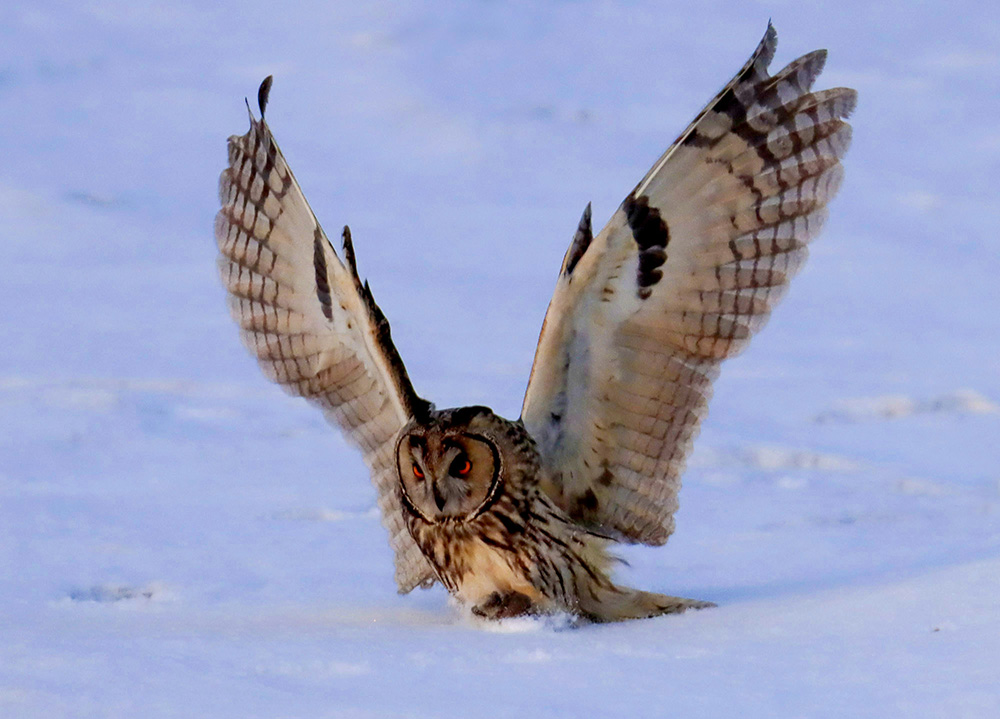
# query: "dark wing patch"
{"type": "Point", "coordinates": [652, 236]}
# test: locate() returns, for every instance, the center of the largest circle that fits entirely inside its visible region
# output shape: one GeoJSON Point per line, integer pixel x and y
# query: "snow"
{"type": "Point", "coordinates": [178, 538]}
{"type": "Point", "coordinates": [889, 407]}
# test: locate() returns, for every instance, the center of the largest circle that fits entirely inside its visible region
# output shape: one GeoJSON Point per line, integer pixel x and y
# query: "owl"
{"type": "Point", "coordinates": [520, 517]}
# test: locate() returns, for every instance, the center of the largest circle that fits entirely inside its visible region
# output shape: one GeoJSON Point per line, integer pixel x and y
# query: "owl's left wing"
{"type": "Point", "coordinates": [686, 270]}
{"type": "Point", "coordinates": [313, 326]}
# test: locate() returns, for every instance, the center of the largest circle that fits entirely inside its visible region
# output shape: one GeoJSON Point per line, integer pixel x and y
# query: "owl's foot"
{"type": "Point", "coordinates": [504, 606]}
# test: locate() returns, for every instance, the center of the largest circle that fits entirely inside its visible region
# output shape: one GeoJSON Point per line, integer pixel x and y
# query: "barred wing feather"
{"type": "Point", "coordinates": [313, 326]}
{"type": "Point", "coordinates": [687, 269]}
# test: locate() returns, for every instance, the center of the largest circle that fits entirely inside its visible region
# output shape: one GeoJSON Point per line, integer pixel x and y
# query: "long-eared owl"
{"type": "Point", "coordinates": [516, 517]}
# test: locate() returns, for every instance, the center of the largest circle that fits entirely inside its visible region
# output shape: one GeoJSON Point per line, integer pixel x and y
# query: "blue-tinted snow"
{"type": "Point", "coordinates": [178, 538]}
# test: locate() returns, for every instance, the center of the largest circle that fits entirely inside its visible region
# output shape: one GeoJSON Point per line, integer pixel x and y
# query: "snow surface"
{"type": "Point", "coordinates": [180, 539]}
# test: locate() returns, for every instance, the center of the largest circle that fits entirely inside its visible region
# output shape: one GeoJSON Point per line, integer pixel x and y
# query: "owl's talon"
{"type": "Point", "coordinates": [504, 606]}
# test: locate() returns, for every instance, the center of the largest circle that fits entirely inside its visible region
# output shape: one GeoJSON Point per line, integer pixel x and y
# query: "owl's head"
{"type": "Point", "coordinates": [454, 463]}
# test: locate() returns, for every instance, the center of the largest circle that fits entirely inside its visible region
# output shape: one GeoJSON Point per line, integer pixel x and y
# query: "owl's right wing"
{"type": "Point", "coordinates": [313, 326]}
{"type": "Point", "coordinates": [685, 272]}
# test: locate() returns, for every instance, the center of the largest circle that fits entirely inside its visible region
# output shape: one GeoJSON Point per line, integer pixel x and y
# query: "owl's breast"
{"type": "Point", "coordinates": [490, 570]}
{"type": "Point", "coordinates": [472, 563]}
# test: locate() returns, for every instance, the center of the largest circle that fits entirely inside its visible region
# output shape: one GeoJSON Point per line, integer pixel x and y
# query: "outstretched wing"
{"type": "Point", "coordinates": [313, 326]}
{"type": "Point", "coordinates": [686, 270]}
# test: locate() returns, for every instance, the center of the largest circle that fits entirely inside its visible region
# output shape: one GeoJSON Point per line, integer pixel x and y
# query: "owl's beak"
{"type": "Point", "coordinates": [439, 499]}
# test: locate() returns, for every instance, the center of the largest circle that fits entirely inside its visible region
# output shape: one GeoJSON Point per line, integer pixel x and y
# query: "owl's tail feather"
{"type": "Point", "coordinates": [611, 603]}
{"type": "Point", "coordinates": [599, 599]}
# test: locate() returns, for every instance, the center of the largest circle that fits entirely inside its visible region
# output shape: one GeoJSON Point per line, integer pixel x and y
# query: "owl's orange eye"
{"type": "Point", "coordinates": [417, 473]}
{"type": "Point", "coordinates": [461, 466]}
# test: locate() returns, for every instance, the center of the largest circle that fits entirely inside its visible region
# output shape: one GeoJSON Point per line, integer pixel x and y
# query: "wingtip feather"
{"type": "Point", "coordinates": [263, 92]}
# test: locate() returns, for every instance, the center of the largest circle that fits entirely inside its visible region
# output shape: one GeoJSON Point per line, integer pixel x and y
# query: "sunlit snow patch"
{"type": "Point", "coordinates": [324, 515]}
{"type": "Point", "coordinates": [896, 406]}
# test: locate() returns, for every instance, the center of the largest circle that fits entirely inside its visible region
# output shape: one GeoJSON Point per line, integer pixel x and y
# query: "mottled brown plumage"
{"type": "Point", "coordinates": [502, 546]}
{"type": "Point", "coordinates": [516, 517]}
